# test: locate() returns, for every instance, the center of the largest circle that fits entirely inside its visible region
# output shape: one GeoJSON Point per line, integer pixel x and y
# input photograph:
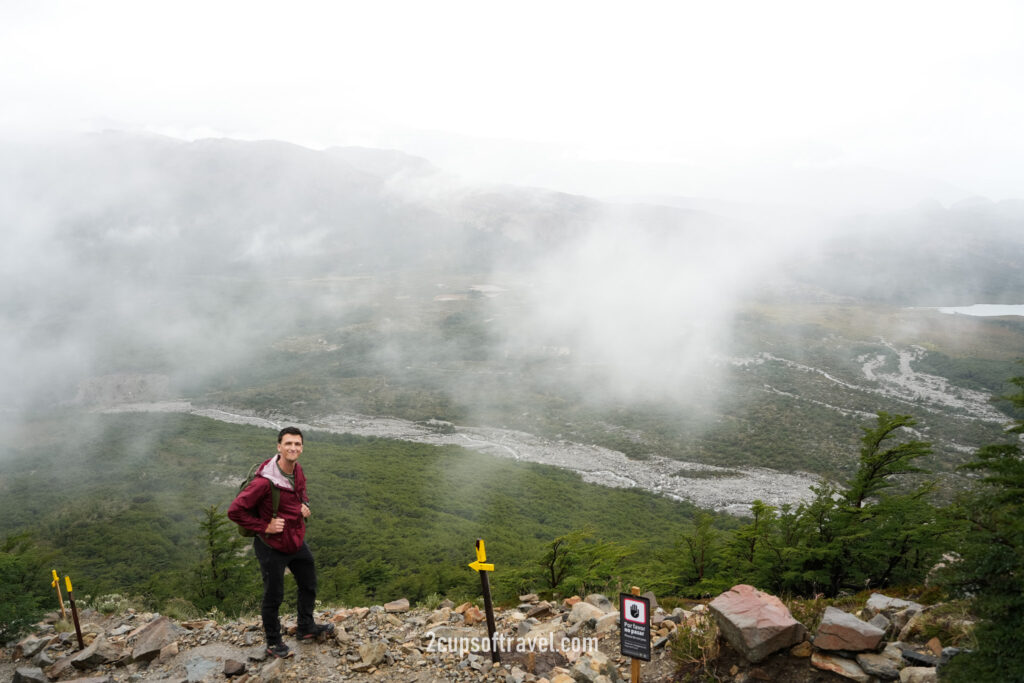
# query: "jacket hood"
{"type": "Point", "coordinates": [273, 473]}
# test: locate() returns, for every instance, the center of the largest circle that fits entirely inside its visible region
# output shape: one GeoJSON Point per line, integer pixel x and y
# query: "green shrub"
{"type": "Point", "coordinates": [432, 601]}
{"type": "Point", "coordinates": [180, 609]}
{"type": "Point", "coordinates": [952, 623]}
{"type": "Point", "coordinates": [695, 648]}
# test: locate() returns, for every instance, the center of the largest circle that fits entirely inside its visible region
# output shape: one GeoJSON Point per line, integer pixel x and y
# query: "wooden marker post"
{"type": "Point", "coordinates": [60, 598]}
{"type": "Point", "coordinates": [634, 664]}
{"type": "Point", "coordinates": [74, 613]}
{"type": "Point", "coordinates": [481, 566]}
{"type": "Point", "coordinates": [635, 630]}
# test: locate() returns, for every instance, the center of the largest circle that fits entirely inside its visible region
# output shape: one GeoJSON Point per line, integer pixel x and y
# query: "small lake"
{"type": "Point", "coordinates": [985, 310]}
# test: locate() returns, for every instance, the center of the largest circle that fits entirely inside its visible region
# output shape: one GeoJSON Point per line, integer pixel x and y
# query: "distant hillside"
{"type": "Point", "coordinates": [272, 277]}
{"type": "Point", "coordinates": [968, 253]}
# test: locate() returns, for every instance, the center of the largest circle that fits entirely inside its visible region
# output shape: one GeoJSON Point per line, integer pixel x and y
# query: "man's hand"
{"type": "Point", "coordinates": [276, 526]}
{"type": "Point", "coordinates": [305, 510]}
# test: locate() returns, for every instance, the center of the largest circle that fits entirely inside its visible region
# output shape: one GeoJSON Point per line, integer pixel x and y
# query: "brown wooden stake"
{"type": "Point", "coordinates": [74, 613]}
{"type": "Point", "coordinates": [60, 598]}
{"type": "Point", "coordinates": [634, 669]}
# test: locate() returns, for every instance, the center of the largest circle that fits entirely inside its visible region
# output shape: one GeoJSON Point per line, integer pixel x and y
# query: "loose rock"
{"type": "Point", "coordinates": [755, 623]}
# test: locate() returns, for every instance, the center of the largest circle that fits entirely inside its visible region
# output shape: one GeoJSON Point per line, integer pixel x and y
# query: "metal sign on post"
{"type": "Point", "coordinates": [635, 629]}
{"type": "Point", "coordinates": [480, 565]}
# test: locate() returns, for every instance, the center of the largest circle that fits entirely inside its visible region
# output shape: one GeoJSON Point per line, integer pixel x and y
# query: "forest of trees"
{"type": "Point", "coordinates": [398, 520]}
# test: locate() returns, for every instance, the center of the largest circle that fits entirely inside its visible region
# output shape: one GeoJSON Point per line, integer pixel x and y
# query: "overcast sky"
{"type": "Point", "coordinates": [686, 93]}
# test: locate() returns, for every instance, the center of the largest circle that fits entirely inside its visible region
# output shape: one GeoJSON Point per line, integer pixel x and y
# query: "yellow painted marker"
{"type": "Point", "coordinates": [60, 598]}
{"type": "Point", "coordinates": [481, 558]}
{"type": "Point", "coordinates": [67, 580]}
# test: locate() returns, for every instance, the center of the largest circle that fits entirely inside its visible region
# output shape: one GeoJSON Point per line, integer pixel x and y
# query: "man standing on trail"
{"type": "Point", "coordinates": [280, 538]}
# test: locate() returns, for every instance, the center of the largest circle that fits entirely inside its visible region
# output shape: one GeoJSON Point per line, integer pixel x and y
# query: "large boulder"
{"type": "Point", "coordinates": [879, 603]}
{"type": "Point", "coordinates": [842, 631]}
{"type": "Point", "coordinates": [582, 611]}
{"type": "Point", "coordinates": [99, 653]}
{"type": "Point", "coordinates": [755, 623]}
{"type": "Point", "coordinates": [152, 638]}
{"type": "Point", "coordinates": [397, 606]}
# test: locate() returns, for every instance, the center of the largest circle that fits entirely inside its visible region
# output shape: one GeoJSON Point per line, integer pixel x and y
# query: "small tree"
{"type": "Point", "coordinates": [880, 461]}
{"type": "Point", "coordinates": [699, 550]}
{"type": "Point", "coordinates": [991, 564]}
{"type": "Point", "coordinates": [579, 562]}
{"type": "Point", "coordinates": [761, 553]}
{"type": "Point", "coordinates": [560, 558]}
{"type": "Point", "coordinates": [226, 575]}
{"type": "Point", "coordinates": [24, 585]}
{"type": "Point", "coordinates": [845, 538]}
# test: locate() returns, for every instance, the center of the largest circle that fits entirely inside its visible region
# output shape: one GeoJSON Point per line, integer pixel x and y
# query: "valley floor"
{"type": "Point", "coordinates": [723, 489]}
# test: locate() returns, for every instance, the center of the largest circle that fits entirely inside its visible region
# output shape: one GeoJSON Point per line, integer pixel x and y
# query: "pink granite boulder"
{"type": "Point", "coordinates": [755, 623]}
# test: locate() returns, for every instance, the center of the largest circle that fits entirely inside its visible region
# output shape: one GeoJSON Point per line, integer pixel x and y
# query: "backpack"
{"type": "Point", "coordinates": [275, 496]}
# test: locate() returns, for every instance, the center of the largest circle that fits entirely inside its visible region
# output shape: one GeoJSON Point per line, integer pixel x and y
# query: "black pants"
{"type": "Point", "coordinates": [272, 566]}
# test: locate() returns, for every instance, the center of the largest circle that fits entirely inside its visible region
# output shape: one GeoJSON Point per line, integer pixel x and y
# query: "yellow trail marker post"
{"type": "Point", "coordinates": [74, 613]}
{"type": "Point", "coordinates": [480, 565]}
{"type": "Point", "coordinates": [60, 598]}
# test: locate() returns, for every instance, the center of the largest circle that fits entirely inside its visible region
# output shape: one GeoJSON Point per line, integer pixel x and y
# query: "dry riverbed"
{"type": "Point", "coordinates": [725, 489]}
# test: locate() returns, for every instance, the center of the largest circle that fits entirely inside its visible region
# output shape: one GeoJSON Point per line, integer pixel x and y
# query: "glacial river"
{"type": "Point", "coordinates": [985, 310]}
{"type": "Point", "coordinates": [730, 490]}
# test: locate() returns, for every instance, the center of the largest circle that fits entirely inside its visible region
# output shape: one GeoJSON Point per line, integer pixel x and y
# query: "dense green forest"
{"type": "Point", "coordinates": [134, 504]}
{"type": "Point", "coordinates": [119, 502]}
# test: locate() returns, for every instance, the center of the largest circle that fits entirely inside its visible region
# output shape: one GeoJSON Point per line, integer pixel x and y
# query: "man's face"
{"type": "Point", "coordinates": [290, 447]}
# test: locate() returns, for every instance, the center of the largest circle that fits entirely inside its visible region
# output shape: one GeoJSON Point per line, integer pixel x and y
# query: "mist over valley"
{"type": "Point", "coordinates": [616, 378]}
{"type": "Point", "coordinates": [287, 283]}
{"type": "Point", "coordinates": [690, 297]}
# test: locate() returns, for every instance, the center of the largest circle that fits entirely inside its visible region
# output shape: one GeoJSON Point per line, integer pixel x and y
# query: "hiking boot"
{"type": "Point", "coordinates": [315, 632]}
{"type": "Point", "coordinates": [279, 651]}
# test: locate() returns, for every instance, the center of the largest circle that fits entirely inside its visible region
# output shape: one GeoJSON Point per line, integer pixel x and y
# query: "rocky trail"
{"type": "Point", "coordinates": [747, 636]}
{"type": "Point", "coordinates": [538, 642]}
